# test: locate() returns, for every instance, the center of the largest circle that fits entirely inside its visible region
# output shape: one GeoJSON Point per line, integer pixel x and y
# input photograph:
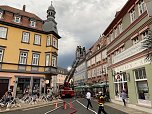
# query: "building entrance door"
{"type": "Point", "coordinates": [3, 86]}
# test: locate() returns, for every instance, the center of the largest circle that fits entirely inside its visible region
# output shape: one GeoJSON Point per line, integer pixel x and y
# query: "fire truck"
{"type": "Point", "coordinates": [66, 89]}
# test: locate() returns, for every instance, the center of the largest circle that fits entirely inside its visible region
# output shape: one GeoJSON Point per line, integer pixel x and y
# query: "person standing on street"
{"type": "Point", "coordinates": [88, 96]}
{"type": "Point", "coordinates": [101, 102]}
{"type": "Point", "coordinates": [124, 96]}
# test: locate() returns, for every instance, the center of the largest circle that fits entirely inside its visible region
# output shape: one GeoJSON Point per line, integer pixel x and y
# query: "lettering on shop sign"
{"type": "Point", "coordinates": [132, 65]}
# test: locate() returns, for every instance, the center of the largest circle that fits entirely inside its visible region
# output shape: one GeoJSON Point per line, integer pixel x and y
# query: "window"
{"type": "Point", "coordinates": [54, 61]}
{"type": "Point", "coordinates": [111, 37]}
{"type": "Point", "coordinates": [37, 39]}
{"type": "Point", "coordinates": [23, 57]}
{"type": "Point", "coordinates": [48, 42]}
{"type": "Point", "coordinates": [17, 19]}
{"type": "Point", "coordinates": [116, 32]}
{"type": "Point", "coordinates": [25, 37]}
{"type": "Point", "coordinates": [141, 83]}
{"type": "Point", "coordinates": [3, 32]}
{"type": "Point", "coordinates": [47, 59]}
{"type": "Point", "coordinates": [35, 60]}
{"type": "Point", "coordinates": [120, 82]}
{"type": "Point", "coordinates": [144, 34]}
{"type": "Point", "coordinates": [1, 54]}
{"type": "Point", "coordinates": [32, 23]}
{"type": "Point", "coordinates": [132, 15]}
{"type": "Point", "coordinates": [122, 48]}
{"type": "Point", "coordinates": [1, 14]}
{"type": "Point", "coordinates": [120, 28]}
{"type": "Point", "coordinates": [141, 7]}
{"type": "Point", "coordinates": [135, 40]}
{"type": "Point", "coordinates": [55, 42]}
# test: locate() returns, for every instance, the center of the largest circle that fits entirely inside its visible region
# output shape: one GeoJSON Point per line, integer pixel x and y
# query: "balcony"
{"type": "Point", "coordinates": [133, 50]}
{"type": "Point", "coordinates": [19, 68]}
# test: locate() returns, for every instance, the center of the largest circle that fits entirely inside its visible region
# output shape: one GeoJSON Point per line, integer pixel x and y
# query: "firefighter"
{"type": "Point", "coordinates": [101, 103]}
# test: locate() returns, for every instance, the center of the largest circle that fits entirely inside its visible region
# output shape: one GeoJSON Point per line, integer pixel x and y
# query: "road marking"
{"type": "Point", "coordinates": [52, 110]}
{"type": "Point", "coordinates": [86, 107]}
{"type": "Point", "coordinates": [37, 107]}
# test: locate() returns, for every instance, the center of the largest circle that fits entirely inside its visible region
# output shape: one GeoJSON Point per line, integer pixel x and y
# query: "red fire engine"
{"type": "Point", "coordinates": [66, 90]}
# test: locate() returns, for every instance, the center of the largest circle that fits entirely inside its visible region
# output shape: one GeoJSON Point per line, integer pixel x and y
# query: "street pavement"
{"type": "Point", "coordinates": [78, 107]}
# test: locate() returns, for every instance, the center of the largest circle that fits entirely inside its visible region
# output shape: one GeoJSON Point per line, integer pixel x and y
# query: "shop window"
{"type": "Point", "coordinates": [120, 81]}
{"type": "Point", "coordinates": [141, 84]}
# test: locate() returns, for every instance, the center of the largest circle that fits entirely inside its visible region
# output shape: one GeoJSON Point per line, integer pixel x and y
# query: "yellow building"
{"type": "Point", "coordinates": [28, 50]}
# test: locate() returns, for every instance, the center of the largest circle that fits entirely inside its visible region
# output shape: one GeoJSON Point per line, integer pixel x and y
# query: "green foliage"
{"type": "Point", "coordinates": [147, 43]}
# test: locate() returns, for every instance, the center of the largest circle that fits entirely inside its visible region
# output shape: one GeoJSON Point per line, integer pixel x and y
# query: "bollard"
{"type": "Point", "coordinates": [71, 106]}
{"type": "Point", "coordinates": [64, 105]}
{"type": "Point", "coordinates": [56, 104]}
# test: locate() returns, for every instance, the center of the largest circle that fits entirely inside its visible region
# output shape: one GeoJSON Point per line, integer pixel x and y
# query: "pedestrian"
{"type": "Point", "coordinates": [124, 96]}
{"type": "Point", "coordinates": [101, 102]}
{"type": "Point", "coordinates": [88, 97]}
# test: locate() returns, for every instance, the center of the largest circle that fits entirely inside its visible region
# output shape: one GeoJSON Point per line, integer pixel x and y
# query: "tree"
{"type": "Point", "coordinates": [147, 44]}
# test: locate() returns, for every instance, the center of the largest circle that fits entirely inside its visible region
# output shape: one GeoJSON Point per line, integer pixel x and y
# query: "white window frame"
{"type": "Point", "coordinates": [37, 39]}
{"type": "Point", "coordinates": [144, 34]}
{"type": "Point", "coordinates": [111, 37]}
{"type": "Point", "coordinates": [48, 41]}
{"type": "Point", "coordinates": [17, 19]}
{"type": "Point", "coordinates": [135, 40]}
{"type": "Point", "coordinates": [54, 42]}
{"type": "Point", "coordinates": [141, 7]}
{"type": "Point", "coordinates": [120, 28]}
{"type": "Point", "coordinates": [1, 54]}
{"type": "Point", "coordinates": [3, 32]}
{"type": "Point", "coordinates": [132, 15]}
{"type": "Point", "coordinates": [54, 61]}
{"type": "Point", "coordinates": [25, 37]}
{"type": "Point", "coordinates": [32, 23]}
{"type": "Point", "coordinates": [23, 57]}
{"type": "Point", "coordinates": [35, 59]}
{"type": "Point", "coordinates": [47, 59]}
{"type": "Point", "coordinates": [1, 14]}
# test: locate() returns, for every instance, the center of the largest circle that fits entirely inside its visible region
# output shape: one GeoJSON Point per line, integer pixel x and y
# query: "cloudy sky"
{"type": "Point", "coordinates": [80, 22]}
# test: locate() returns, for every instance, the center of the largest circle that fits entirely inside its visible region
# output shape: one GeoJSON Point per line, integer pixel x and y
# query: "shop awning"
{"type": "Point", "coordinates": [82, 86]}
{"type": "Point", "coordinates": [100, 85]}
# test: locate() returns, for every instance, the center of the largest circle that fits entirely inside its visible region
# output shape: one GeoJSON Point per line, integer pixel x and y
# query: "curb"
{"type": "Point", "coordinates": [30, 106]}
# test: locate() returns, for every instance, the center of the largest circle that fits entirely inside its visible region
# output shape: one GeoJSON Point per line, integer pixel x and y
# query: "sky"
{"type": "Point", "coordinates": [79, 22]}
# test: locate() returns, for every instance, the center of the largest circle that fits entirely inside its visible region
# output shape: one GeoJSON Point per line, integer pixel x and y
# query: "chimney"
{"type": "Point", "coordinates": [24, 6]}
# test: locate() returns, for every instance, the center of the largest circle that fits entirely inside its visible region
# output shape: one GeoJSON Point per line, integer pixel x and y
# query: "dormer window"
{"type": "Point", "coordinates": [17, 19]}
{"type": "Point", "coordinates": [32, 23]}
{"type": "Point", "coordinates": [1, 14]}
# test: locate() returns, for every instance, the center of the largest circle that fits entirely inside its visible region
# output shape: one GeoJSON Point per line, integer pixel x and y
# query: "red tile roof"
{"type": "Point", "coordinates": [20, 12]}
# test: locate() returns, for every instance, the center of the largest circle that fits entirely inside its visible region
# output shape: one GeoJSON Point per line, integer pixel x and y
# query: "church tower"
{"type": "Point", "coordinates": [50, 24]}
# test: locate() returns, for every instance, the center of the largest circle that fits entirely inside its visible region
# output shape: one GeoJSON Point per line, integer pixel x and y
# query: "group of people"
{"type": "Point", "coordinates": [101, 100]}
{"type": "Point", "coordinates": [7, 97]}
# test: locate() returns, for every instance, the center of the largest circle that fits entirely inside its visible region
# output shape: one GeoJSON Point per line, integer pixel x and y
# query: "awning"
{"type": "Point", "coordinates": [82, 86]}
{"type": "Point", "coordinates": [100, 85]}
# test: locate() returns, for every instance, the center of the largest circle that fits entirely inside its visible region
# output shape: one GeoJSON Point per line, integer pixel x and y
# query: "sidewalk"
{"type": "Point", "coordinates": [129, 109]}
{"type": "Point", "coordinates": [25, 105]}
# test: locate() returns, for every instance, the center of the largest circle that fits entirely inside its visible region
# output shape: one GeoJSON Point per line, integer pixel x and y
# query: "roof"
{"type": "Point", "coordinates": [20, 12]}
